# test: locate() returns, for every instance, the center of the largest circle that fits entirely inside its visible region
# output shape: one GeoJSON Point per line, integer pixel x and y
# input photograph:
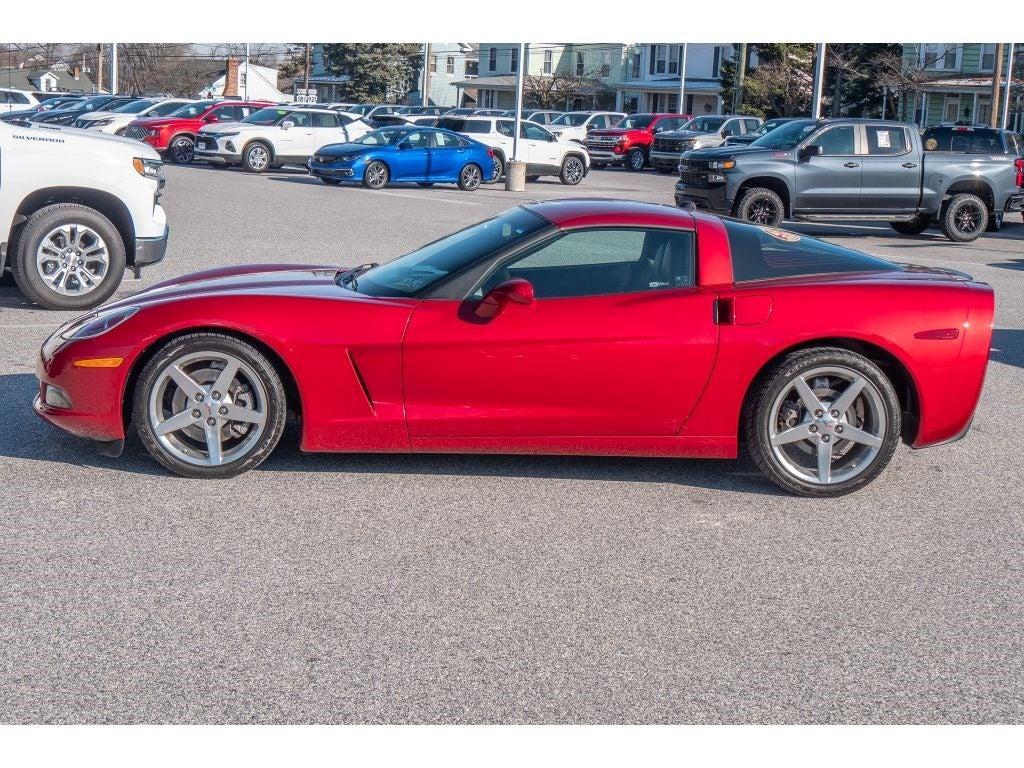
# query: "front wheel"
{"type": "Point", "coordinates": [965, 218]}
{"type": "Point", "coordinates": [470, 178]}
{"type": "Point", "coordinates": [915, 226]}
{"type": "Point", "coordinates": [69, 256]}
{"type": "Point", "coordinates": [761, 206]}
{"type": "Point", "coordinates": [256, 158]}
{"type": "Point", "coordinates": [822, 422]}
{"type": "Point", "coordinates": [636, 159]}
{"type": "Point", "coordinates": [376, 175]}
{"type": "Point", "coordinates": [182, 150]}
{"type": "Point", "coordinates": [209, 405]}
{"type": "Point", "coordinates": [573, 171]}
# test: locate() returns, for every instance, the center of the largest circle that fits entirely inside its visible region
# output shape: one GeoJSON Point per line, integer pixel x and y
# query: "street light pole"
{"type": "Point", "coordinates": [246, 71]}
{"type": "Point", "coordinates": [113, 68]}
{"type": "Point", "coordinates": [741, 76]}
{"type": "Point", "coordinates": [426, 75]}
{"type": "Point", "coordinates": [682, 82]}
{"type": "Point", "coordinates": [819, 76]}
{"type": "Point", "coordinates": [515, 171]}
{"type": "Point", "coordinates": [1009, 84]}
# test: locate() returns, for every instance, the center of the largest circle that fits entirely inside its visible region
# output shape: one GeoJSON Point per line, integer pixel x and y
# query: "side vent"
{"type": "Point", "coordinates": [361, 380]}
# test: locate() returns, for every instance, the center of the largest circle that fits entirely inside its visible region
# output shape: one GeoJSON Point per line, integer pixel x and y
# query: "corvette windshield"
{"type": "Point", "coordinates": [410, 275]}
{"type": "Point", "coordinates": [787, 135]}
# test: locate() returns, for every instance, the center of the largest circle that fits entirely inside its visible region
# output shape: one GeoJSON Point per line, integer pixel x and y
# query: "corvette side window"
{"type": "Point", "coordinates": [603, 261]}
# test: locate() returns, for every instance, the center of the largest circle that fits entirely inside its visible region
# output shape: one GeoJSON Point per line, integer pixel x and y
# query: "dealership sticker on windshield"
{"type": "Point", "coordinates": [781, 234]}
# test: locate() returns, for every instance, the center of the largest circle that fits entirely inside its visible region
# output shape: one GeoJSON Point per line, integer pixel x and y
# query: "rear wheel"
{"type": "Point", "coordinates": [822, 422]}
{"type": "Point", "coordinates": [499, 167]}
{"type": "Point", "coordinates": [915, 226]}
{"type": "Point", "coordinates": [256, 157]}
{"type": "Point", "coordinates": [761, 206]}
{"type": "Point", "coordinates": [68, 256]}
{"type": "Point", "coordinates": [573, 171]}
{"type": "Point", "coordinates": [965, 218]}
{"type": "Point", "coordinates": [209, 405]}
{"type": "Point", "coordinates": [376, 175]}
{"type": "Point", "coordinates": [470, 178]}
{"type": "Point", "coordinates": [636, 159]}
{"type": "Point", "coordinates": [181, 150]}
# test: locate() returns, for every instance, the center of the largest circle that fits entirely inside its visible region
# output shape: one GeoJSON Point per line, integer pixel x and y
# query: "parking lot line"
{"type": "Point", "coordinates": [423, 197]}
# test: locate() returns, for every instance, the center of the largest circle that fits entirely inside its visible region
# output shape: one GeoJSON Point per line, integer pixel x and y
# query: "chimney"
{"type": "Point", "coordinates": [231, 77]}
{"type": "Point", "coordinates": [77, 72]}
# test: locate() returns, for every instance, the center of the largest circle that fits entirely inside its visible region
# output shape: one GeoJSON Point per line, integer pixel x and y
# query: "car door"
{"type": "Point", "coordinates": [891, 175]}
{"type": "Point", "coordinates": [541, 149]}
{"type": "Point", "coordinates": [411, 159]}
{"type": "Point", "coordinates": [829, 182]}
{"type": "Point", "coordinates": [447, 154]}
{"type": "Point", "coordinates": [295, 142]}
{"type": "Point", "coordinates": [617, 341]}
{"type": "Point", "coordinates": [327, 129]}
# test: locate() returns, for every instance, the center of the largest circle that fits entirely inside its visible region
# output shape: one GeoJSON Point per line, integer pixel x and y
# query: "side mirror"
{"type": "Point", "coordinates": [286, 124]}
{"type": "Point", "coordinates": [810, 150]}
{"type": "Point", "coordinates": [211, 119]}
{"type": "Point", "coordinates": [514, 291]}
{"type": "Point", "coordinates": [727, 133]}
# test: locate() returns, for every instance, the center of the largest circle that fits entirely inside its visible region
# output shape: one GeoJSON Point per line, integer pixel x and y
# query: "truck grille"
{"type": "Point", "coordinates": [601, 142]}
{"type": "Point", "coordinates": [662, 144]}
{"type": "Point", "coordinates": [135, 132]}
{"type": "Point", "coordinates": [694, 173]}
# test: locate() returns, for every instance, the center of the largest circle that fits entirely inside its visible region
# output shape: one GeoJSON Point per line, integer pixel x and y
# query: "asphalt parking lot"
{"type": "Point", "coordinates": [496, 589]}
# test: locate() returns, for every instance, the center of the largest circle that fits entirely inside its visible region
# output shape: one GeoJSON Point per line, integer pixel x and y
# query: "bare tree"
{"type": "Point", "coordinates": [554, 91]}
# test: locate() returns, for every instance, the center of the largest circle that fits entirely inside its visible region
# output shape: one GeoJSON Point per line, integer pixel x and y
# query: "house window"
{"type": "Point", "coordinates": [673, 59]}
{"type": "Point", "coordinates": [716, 63]}
{"type": "Point", "coordinates": [635, 69]}
{"type": "Point", "coordinates": [988, 57]}
{"type": "Point", "coordinates": [449, 65]}
{"type": "Point", "coordinates": [515, 60]}
{"type": "Point", "coordinates": [606, 64]}
{"type": "Point", "coordinates": [487, 97]}
{"type": "Point", "coordinates": [660, 56]}
{"type": "Point", "coordinates": [547, 62]}
{"type": "Point", "coordinates": [433, 64]}
{"type": "Point", "coordinates": [492, 61]}
{"type": "Point", "coordinates": [940, 56]}
{"type": "Point", "coordinates": [579, 63]}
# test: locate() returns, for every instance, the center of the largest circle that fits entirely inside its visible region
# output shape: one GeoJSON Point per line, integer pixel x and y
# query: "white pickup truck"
{"type": "Point", "coordinates": [76, 209]}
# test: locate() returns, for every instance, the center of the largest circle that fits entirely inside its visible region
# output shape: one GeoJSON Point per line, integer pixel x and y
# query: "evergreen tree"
{"type": "Point", "coordinates": [378, 72]}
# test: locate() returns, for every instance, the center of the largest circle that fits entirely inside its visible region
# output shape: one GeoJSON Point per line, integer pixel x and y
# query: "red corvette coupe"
{"type": "Point", "coordinates": [565, 327]}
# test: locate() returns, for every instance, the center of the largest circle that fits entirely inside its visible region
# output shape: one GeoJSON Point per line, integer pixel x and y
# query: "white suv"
{"type": "Point", "coordinates": [573, 126]}
{"type": "Point", "coordinates": [544, 153]}
{"type": "Point", "coordinates": [13, 100]}
{"type": "Point", "coordinates": [117, 120]}
{"type": "Point", "coordinates": [275, 136]}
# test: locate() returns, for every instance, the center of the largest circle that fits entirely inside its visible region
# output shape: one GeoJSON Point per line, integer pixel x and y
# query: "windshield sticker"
{"type": "Point", "coordinates": [931, 144]}
{"type": "Point", "coordinates": [781, 234]}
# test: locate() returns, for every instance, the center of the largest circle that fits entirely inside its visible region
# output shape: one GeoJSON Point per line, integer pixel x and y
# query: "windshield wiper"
{"type": "Point", "coordinates": [347, 278]}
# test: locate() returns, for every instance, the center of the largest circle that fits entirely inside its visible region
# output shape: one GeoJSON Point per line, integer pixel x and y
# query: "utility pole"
{"type": "Point", "coordinates": [741, 76]}
{"type": "Point", "coordinates": [305, 82]}
{"type": "Point", "coordinates": [113, 68]}
{"type": "Point", "coordinates": [515, 171]}
{"type": "Point", "coordinates": [1009, 85]}
{"type": "Point", "coordinates": [246, 71]}
{"type": "Point", "coordinates": [426, 75]}
{"type": "Point", "coordinates": [682, 82]}
{"type": "Point", "coordinates": [997, 85]}
{"type": "Point", "coordinates": [819, 76]}
{"type": "Point", "coordinates": [99, 66]}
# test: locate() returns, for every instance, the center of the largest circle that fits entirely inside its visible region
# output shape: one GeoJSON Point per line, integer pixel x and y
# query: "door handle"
{"type": "Point", "coordinates": [851, 165]}
{"type": "Point", "coordinates": [910, 165]}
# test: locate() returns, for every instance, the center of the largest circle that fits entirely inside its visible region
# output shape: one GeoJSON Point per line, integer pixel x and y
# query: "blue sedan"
{"type": "Point", "coordinates": [405, 153]}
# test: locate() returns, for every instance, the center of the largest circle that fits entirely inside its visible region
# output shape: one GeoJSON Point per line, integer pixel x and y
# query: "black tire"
{"type": "Point", "coordinates": [181, 150]}
{"type": "Point", "coordinates": [914, 227]}
{"type": "Point", "coordinates": [761, 206]}
{"type": "Point", "coordinates": [256, 157]}
{"type": "Point", "coordinates": [964, 218]}
{"type": "Point", "coordinates": [636, 159]}
{"type": "Point", "coordinates": [499, 167]}
{"type": "Point", "coordinates": [471, 177]}
{"type": "Point", "coordinates": [276, 406]}
{"type": "Point", "coordinates": [30, 238]}
{"type": "Point", "coordinates": [533, 178]}
{"type": "Point", "coordinates": [573, 170]}
{"type": "Point", "coordinates": [376, 175]}
{"type": "Point", "coordinates": [776, 381]}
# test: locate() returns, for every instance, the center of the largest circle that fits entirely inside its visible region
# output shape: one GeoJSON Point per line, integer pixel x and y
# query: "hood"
{"type": "Point", "coordinates": [99, 115]}
{"type": "Point", "coordinates": [684, 134]}
{"type": "Point", "coordinates": [345, 148]}
{"type": "Point", "coordinates": [162, 122]}
{"type": "Point", "coordinates": [733, 150]}
{"type": "Point", "coordinates": [614, 131]}
{"type": "Point", "coordinates": [66, 134]}
{"type": "Point", "coordinates": [224, 127]}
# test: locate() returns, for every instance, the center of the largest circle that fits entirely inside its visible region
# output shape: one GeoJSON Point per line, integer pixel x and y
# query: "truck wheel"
{"type": "Point", "coordinates": [573, 171]}
{"type": "Point", "coordinates": [69, 257]}
{"type": "Point", "coordinates": [182, 150]}
{"type": "Point", "coordinates": [256, 157]}
{"type": "Point", "coordinates": [965, 218]}
{"type": "Point", "coordinates": [761, 206]}
{"type": "Point", "coordinates": [915, 226]}
{"type": "Point", "coordinates": [636, 159]}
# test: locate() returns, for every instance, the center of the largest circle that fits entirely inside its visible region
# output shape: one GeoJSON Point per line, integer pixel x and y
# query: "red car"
{"type": "Point", "coordinates": [563, 327]}
{"type": "Point", "coordinates": [174, 136]}
{"type": "Point", "coordinates": [630, 140]}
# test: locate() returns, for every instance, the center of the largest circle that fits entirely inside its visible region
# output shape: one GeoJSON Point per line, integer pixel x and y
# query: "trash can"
{"type": "Point", "coordinates": [515, 176]}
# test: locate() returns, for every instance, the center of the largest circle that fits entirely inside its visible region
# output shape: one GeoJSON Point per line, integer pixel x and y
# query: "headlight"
{"type": "Point", "coordinates": [227, 133]}
{"type": "Point", "coordinates": [96, 324]}
{"type": "Point", "coordinates": [97, 123]}
{"type": "Point", "coordinates": [722, 165]}
{"type": "Point", "coordinates": [147, 167]}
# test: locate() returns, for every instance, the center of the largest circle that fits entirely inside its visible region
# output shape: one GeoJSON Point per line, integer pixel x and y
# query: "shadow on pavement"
{"type": "Point", "coordinates": [1008, 346]}
{"type": "Point", "coordinates": [1011, 264]}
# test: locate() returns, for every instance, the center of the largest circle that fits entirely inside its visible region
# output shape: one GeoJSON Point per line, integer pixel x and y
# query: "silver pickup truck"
{"type": "Point", "coordinates": [854, 170]}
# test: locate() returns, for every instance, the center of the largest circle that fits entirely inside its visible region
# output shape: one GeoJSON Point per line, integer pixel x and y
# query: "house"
{"type": "Point", "coordinates": [651, 78]}
{"type": "Point", "coordinates": [598, 66]}
{"type": "Point", "coordinates": [955, 84]}
{"type": "Point", "coordinates": [250, 81]}
{"type": "Point", "coordinates": [449, 63]}
{"type": "Point", "coordinates": [34, 77]}
{"type": "Point", "coordinates": [327, 85]}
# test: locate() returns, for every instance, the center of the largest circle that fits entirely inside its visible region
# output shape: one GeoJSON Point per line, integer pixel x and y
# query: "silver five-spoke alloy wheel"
{"type": "Point", "coordinates": [208, 408]}
{"type": "Point", "coordinates": [72, 259]}
{"type": "Point", "coordinates": [258, 157]}
{"type": "Point", "coordinates": [572, 171]}
{"type": "Point", "coordinates": [827, 425]}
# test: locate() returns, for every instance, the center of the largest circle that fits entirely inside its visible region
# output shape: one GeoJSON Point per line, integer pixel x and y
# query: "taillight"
{"type": "Point", "coordinates": [490, 152]}
{"type": "Point", "coordinates": [1019, 165]}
